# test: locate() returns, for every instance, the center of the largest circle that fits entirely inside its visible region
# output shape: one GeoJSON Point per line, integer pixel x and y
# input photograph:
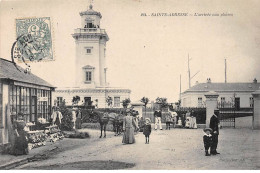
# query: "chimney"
{"type": "Point", "coordinates": [254, 81]}
{"type": "Point", "coordinates": [197, 82]}
{"type": "Point", "coordinates": [208, 80]}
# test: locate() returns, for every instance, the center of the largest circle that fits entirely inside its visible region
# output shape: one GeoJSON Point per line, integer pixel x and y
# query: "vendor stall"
{"type": "Point", "coordinates": [22, 92]}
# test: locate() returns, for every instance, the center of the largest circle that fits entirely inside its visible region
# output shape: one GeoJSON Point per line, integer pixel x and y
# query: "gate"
{"type": "Point", "coordinates": [227, 114]}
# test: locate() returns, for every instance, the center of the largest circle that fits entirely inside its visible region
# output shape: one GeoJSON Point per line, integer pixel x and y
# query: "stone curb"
{"type": "Point", "coordinates": [19, 162]}
{"type": "Point", "coordinates": [28, 158]}
{"type": "Point", "coordinates": [15, 163]}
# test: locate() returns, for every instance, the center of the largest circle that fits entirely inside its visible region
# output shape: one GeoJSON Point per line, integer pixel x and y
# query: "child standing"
{"type": "Point", "coordinates": [147, 130]}
{"type": "Point", "coordinates": [168, 119]}
{"type": "Point", "coordinates": [207, 139]}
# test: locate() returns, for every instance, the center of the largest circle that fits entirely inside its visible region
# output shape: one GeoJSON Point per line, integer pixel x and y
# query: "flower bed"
{"type": "Point", "coordinates": [36, 139]}
{"type": "Point", "coordinates": [39, 138]}
{"type": "Point", "coordinates": [54, 133]}
{"type": "Point", "coordinates": [76, 134]}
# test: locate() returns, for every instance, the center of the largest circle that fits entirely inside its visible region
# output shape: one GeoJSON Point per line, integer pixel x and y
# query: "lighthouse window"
{"type": "Point", "coordinates": [88, 51]}
{"type": "Point", "coordinates": [116, 101]}
{"type": "Point", "coordinates": [200, 102]}
{"type": "Point", "coordinates": [88, 76]}
{"type": "Point", "coordinates": [90, 25]}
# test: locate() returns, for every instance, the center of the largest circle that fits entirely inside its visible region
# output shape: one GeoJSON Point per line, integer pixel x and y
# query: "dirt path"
{"type": "Point", "coordinates": [175, 149]}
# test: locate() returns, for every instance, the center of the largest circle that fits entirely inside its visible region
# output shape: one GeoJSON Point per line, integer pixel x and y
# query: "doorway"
{"type": "Point", "coordinates": [87, 101]}
{"type": "Point", "coordinates": [237, 103]}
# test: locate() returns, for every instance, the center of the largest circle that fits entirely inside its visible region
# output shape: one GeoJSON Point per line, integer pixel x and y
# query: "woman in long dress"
{"type": "Point", "coordinates": [20, 146]}
{"type": "Point", "coordinates": [129, 126]}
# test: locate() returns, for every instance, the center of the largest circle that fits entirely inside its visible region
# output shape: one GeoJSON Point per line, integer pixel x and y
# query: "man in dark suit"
{"type": "Point", "coordinates": [214, 125]}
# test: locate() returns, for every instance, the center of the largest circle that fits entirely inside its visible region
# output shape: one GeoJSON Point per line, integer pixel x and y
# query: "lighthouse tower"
{"type": "Point", "coordinates": [90, 61]}
{"type": "Point", "coordinates": [90, 67]}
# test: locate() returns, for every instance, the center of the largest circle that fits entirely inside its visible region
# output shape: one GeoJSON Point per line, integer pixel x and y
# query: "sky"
{"type": "Point", "coordinates": [148, 54]}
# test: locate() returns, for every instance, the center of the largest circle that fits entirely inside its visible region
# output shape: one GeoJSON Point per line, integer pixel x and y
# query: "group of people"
{"type": "Point", "coordinates": [210, 137]}
{"type": "Point", "coordinates": [130, 125]}
{"type": "Point", "coordinates": [187, 121]}
{"type": "Point", "coordinates": [170, 118]}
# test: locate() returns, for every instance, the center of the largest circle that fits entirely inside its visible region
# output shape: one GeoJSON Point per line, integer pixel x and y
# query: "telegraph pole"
{"type": "Point", "coordinates": [180, 93]}
{"type": "Point", "coordinates": [225, 71]}
{"type": "Point", "coordinates": [189, 69]}
{"type": "Point", "coordinates": [180, 87]}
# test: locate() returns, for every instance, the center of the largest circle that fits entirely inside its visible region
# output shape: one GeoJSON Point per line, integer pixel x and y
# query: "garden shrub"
{"type": "Point", "coordinates": [66, 123]}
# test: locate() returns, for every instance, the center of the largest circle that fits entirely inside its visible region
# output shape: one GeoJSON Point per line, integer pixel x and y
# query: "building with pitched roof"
{"type": "Point", "coordinates": [22, 92]}
{"type": "Point", "coordinates": [238, 93]}
{"type": "Point", "coordinates": [90, 65]}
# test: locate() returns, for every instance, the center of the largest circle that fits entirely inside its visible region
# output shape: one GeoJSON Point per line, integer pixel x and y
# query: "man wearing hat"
{"type": "Point", "coordinates": [214, 125]}
{"type": "Point", "coordinates": [207, 139]}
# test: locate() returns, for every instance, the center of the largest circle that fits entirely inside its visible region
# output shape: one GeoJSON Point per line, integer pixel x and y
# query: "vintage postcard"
{"type": "Point", "coordinates": [129, 85]}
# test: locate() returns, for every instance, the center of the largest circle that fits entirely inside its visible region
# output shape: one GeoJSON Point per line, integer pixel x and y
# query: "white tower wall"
{"type": "Point", "coordinates": [83, 59]}
{"type": "Point", "coordinates": [90, 37]}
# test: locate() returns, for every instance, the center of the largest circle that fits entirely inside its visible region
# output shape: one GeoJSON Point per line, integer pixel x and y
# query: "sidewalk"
{"type": "Point", "coordinates": [8, 161]}
{"type": "Point", "coordinates": [44, 152]}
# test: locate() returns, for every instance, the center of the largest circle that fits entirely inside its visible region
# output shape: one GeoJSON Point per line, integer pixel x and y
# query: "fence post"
{"type": "Point", "coordinates": [211, 105]}
{"type": "Point", "coordinates": [256, 115]}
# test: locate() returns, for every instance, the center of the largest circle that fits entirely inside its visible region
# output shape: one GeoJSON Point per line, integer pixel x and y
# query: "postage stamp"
{"type": "Point", "coordinates": [34, 40]}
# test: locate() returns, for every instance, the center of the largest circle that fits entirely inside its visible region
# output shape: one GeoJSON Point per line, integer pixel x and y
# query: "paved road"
{"type": "Point", "coordinates": [174, 149]}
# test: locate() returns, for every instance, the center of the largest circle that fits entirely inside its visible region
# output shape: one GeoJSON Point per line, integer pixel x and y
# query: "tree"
{"type": "Point", "coordinates": [126, 102]}
{"type": "Point", "coordinates": [145, 100]}
{"type": "Point", "coordinates": [162, 102]}
{"type": "Point", "coordinates": [66, 121]}
{"type": "Point", "coordinates": [75, 100]}
{"type": "Point", "coordinates": [109, 101]}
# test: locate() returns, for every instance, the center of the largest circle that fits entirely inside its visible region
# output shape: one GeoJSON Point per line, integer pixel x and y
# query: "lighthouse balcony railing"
{"type": "Point", "coordinates": [89, 30]}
